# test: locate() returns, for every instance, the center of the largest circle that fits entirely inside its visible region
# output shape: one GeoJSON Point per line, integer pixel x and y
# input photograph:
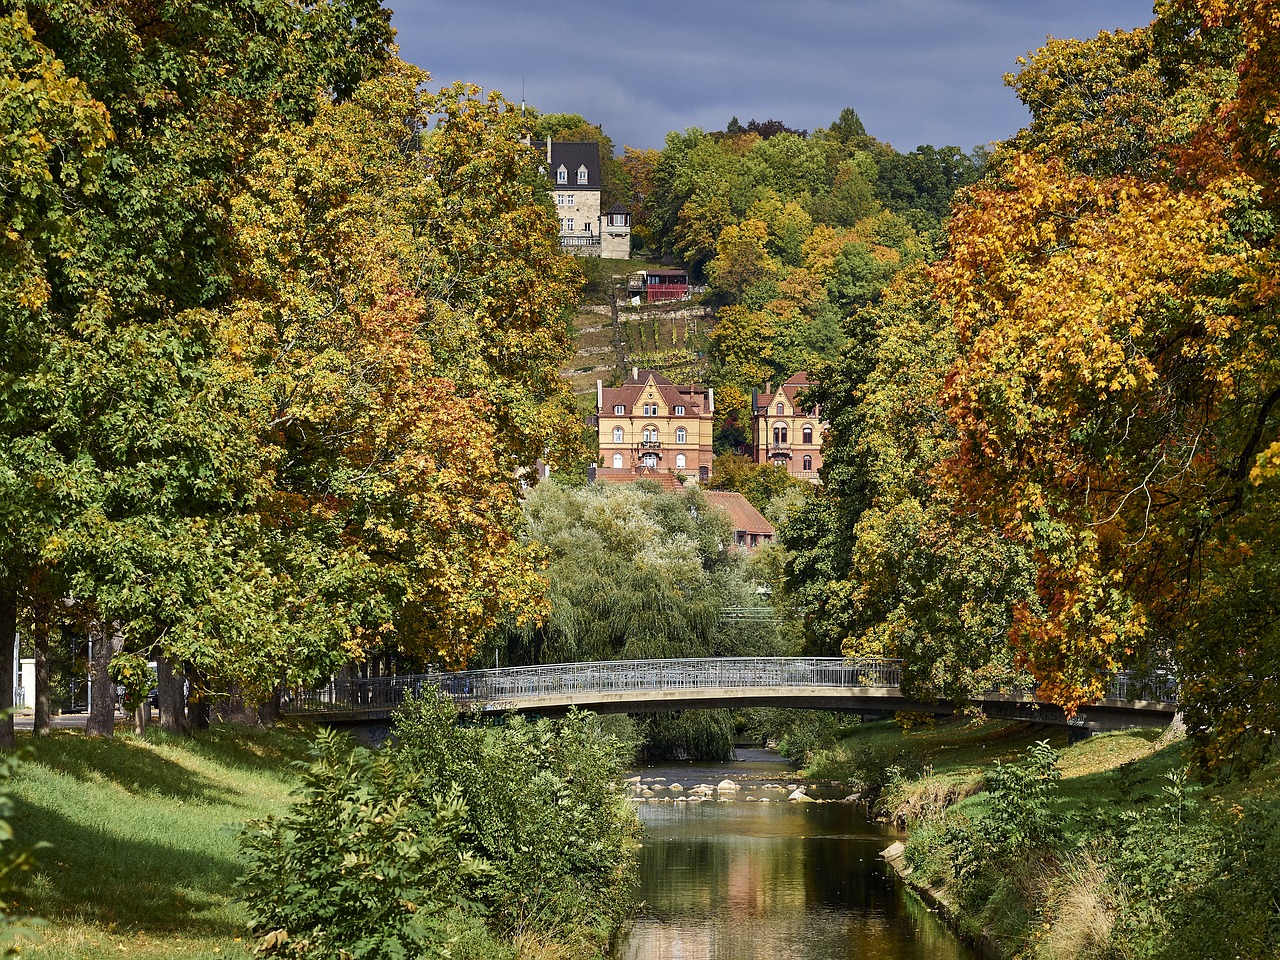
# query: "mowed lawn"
{"type": "Point", "coordinates": [142, 856]}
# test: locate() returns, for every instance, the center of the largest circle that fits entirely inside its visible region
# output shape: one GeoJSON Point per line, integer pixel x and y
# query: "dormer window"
{"type": "Point", "coordinates": [619, 410]}
{"type": "Point", "coordinates": [562, 175]}
{"type": "Point", "coordinates": [582, 174]}
{"type": "Point", "coordinates": [679, 410]}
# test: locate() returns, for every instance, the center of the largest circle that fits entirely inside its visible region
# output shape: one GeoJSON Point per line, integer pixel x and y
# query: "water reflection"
{"type": "Point", "coordinates": [752, 880]}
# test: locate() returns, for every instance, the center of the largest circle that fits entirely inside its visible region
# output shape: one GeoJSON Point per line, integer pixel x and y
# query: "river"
{"type": "Point", "coordinates": [762, 878]}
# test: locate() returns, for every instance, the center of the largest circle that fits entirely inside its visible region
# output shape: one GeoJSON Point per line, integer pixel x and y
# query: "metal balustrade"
{"type": "Point", "coordinates": [515, 686]}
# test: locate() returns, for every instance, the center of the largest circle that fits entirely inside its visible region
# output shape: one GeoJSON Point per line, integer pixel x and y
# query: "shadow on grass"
{"type": "Point", "coordinates": [250, 749]}
{"type": "Point", "coordinates": [128, 765]}
{"type": "Point", "coordinates": [91, 875]}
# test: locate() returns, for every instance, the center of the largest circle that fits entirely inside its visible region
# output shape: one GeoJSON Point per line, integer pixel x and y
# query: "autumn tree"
{"type": "Point", "coordinates": [883, 562]}
{"type": "Point", "coordinates": [402, 317]}
{"type": "Point", "coordinates": [1117, 386]}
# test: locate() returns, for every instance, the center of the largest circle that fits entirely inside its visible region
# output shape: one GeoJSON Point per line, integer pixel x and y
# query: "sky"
{"type": "Point", "coordinates": [916, 71]}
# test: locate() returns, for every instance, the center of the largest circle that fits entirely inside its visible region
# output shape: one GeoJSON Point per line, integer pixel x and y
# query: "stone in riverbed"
{"type": "Point", "coordinates": [799, 796]}
{"type": "Point", "coordinates": [727, 786]}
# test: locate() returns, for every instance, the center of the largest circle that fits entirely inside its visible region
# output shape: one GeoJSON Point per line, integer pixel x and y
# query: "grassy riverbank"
{"type": "Point", "coordinates": [143, 854]}
{"type": "Point", "coordinates": [1102, 849]}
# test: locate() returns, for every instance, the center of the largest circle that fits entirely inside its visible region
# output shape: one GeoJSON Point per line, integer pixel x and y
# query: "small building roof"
{"type": "Point", "coordinates": [790, 389]}
{"type": "Point", "coordinates": [572, 156]}
{"type": "Point", "coordinates": [745, 517]}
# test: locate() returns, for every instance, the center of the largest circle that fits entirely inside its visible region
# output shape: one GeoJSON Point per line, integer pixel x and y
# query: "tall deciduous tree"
{"type": "Point", "coordinates": [123, 446]}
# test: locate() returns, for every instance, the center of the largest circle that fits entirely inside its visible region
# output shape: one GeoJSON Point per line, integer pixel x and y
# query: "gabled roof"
{"type": "Point", "coordinates": [744, 516]}
{"type": "Point", "coordinates": [790, 389]}
{"type": "Point", "coordinates": [692, 396]}
{"type": "Point", "coordinates": [572, 156]}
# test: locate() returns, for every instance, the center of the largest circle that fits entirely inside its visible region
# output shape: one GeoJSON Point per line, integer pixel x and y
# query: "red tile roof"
{"type": "Point", "coordinates": [745, 517]}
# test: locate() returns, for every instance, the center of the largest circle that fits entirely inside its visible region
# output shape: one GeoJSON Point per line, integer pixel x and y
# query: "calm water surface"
{"type": "Point", "coordinates": [753, 880]}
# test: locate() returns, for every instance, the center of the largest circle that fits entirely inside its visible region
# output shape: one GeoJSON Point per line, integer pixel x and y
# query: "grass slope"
{"type": "Point", "coordinates": [142, 833]}
{"type": "Point", "coordinates": [1147, 864]}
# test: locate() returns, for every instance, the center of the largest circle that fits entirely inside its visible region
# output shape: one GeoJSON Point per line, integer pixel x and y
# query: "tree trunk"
{"type": "Point", "coordinates": [269, 709]}
{"type": "Point", "coordinates": [173, 699]}
{"type": "Point", "coordinates": [102, 700]}
{"type": "Point", "coordinates": [198, 704]}
{"type": "Point", "coordinates": [43, 692]}
{"type": "Point", "coordinates": [8, 631]}
{"type": "Point", "coordinates": [141, 714]}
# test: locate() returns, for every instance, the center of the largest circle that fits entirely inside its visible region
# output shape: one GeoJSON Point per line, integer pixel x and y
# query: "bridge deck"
{"type": "Point", "coordinates": [637, 686]}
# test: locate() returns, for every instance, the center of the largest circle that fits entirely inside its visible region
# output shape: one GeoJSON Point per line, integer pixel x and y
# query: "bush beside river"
{"type": "Point", "coordinates": [1107, 849]}
{"type": "Point", "coordinates": [514, 839]}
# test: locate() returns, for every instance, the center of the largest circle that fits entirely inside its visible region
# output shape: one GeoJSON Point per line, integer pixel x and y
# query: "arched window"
{"type": "Point", "coordinates": [808, 463]}
{"type": "Point", "coordinates": [617, 434]}
{"type": "Point", "coordinates": [808, 433]}
{"type": "Point", "coordinates": [650, 434]}
{"type": "Point", "coordinates": [681, 435]}
{"type": "Point", "coordinates": [777, 436]}
{"type": "Point", "coordinates": [617, 461]}
{"type": "Point", "coordinates": [783, 428]}
{"type": "Point", "coordinates": [779, 407]}
{"type": "Point", "coordinates": [680, 461]}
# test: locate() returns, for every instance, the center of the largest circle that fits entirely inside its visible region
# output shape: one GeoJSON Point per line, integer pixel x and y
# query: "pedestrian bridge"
{"type": "Point", "coordinates": [640, 686]}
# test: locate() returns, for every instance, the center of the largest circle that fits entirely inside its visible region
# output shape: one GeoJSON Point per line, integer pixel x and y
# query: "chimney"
{"type": "Point", "coordinates": [635, 373]}
{"type": "Point", "coordinates": [599, 396]}
{"type": "Point", "coordinates": [711, 400]}
{"type": "Point", "coordinates": [548, 153]}
{"type": "Point", "coordinates": [755, 400]}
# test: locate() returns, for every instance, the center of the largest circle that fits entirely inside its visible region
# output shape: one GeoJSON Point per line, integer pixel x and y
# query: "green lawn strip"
{"type": "Point", "coordinates": [142, 833]}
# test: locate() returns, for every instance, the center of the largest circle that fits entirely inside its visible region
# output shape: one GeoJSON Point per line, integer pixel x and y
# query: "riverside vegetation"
{"type": "Point", "coordinates": [1101, 850]}
{"type": "Point", "coordinates": [466, 841]}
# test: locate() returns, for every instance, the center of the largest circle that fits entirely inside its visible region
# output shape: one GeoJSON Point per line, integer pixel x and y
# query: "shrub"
{"type": "Point", "coordinates": [544, 812]}
{"type": "Point", "coordinates": [452, 836]}
{"type": "Point", "coordinates": [369, 862]}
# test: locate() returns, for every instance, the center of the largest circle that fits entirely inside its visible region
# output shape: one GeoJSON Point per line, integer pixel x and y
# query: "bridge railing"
{"type": "Point", "coordinates": [510, 685]}
{"type": "Point", "coordinates": [481, 687]}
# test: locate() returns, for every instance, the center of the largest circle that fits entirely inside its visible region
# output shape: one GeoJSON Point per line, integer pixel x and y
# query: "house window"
{"type": "Point", "coordinates": [650, 409]}
{"type": "Point", "coordinates": [681, 435]}
{"type": "Point", "coordinates": [650, 460]}
{"type": "Point", "coordinates": [808, 433]}
{"type": "Point", "coordinates": [559, 199]}
{"type": "Point", "coordinates": [619, 409]}
{"type": "Point", "coordinates": [779, 434]}
{"type": "Point", "coordinates": [808, 463]}
{"type": "Point", "coordinates": [582, 174]}
{"type": "Point", "coordinates": [650, 434]}
{"type": "Point", "coordinates": [568, 224]}
{"type": "Point", "coordinates": [617, 434]}
{"type": "Point", "coordinates": [680, 461]}
{"type": "Point", "coordinates": [562, 175]}
{"type": "Point", "coordinates": [679, 411]}
{"type": "Point", "coordinates": [617, 461]}
{"type": "Point", "coordinates": [568, 200]}
{"type": "Point", "coordinates": [779, 407]}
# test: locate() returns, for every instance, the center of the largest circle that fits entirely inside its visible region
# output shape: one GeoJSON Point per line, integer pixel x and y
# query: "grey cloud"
{"type": "Point", "coordinates": [917, 71]}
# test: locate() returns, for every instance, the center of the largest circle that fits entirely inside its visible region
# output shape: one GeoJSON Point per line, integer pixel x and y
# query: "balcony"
{"type": "Point", "coordinates": [650, 445]}
{"type": "Point", "coordinates": [780, 451]}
